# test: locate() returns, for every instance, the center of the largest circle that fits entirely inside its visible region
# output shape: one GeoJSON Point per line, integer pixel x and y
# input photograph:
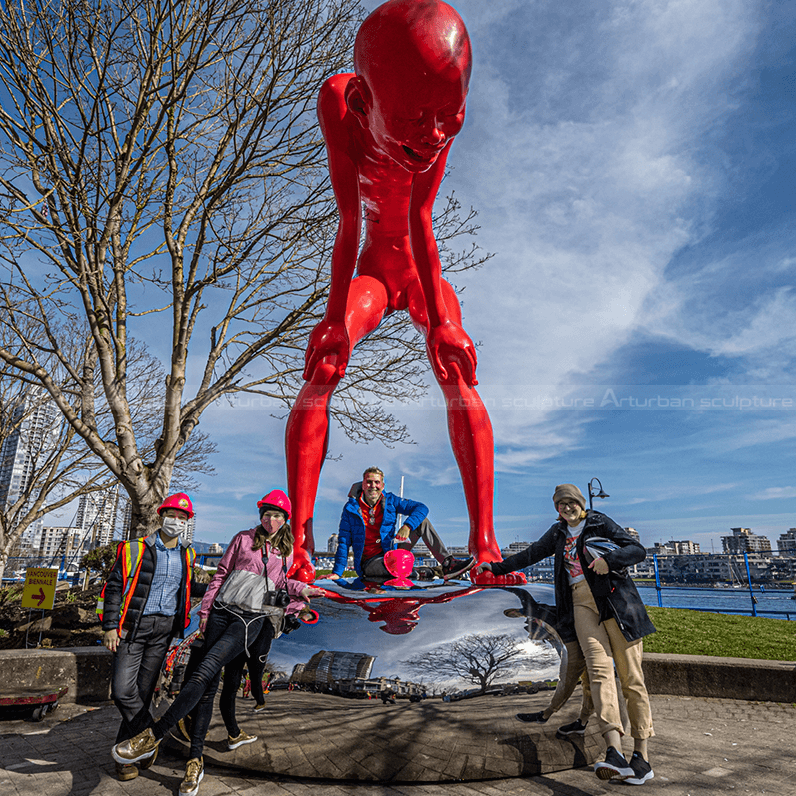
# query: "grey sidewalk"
{"type": "Point", "coordinates": [703, 746]}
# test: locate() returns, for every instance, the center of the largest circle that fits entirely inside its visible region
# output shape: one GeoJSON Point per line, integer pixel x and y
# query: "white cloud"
{"type": "Point", "coordinates": [585, 211]}
{"type": "Point", "coordinates": [775, 493]}
{"type": "Point", "coordinates": [583, 151]}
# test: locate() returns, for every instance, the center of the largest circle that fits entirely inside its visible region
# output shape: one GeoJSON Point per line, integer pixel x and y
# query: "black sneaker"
{"type": "Point", "coordinates": [576, 727]}
{"type": "Point", "coordinates": [614, 765]}
{"type": "Point", "coordinates": [642, 771]}
{"type": "Point", "coordinates": [533, 718]}
{"type": "Point", "coordinates": [453, 567]}
{"type": "Point", "coordinates": [422, 573]}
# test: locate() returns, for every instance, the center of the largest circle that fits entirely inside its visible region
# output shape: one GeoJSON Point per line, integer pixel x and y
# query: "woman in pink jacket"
{"type": "Point", "coordinates": [250, 588]}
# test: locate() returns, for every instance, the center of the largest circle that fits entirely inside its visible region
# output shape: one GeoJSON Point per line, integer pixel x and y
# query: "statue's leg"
{"type": "Point", "coordinates": [471, 437]}
{"type": "Point", "coordinates": [307, 432]}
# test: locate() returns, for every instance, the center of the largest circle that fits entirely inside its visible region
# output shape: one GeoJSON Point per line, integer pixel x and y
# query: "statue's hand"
{"type": "Point", "coordinates": [328, 339]}
{"type": "Point", "coordinates": [450, 349]}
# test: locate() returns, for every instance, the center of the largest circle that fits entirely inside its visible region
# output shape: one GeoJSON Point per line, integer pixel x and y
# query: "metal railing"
{"type": "Point", "coordinates": [737, 567]}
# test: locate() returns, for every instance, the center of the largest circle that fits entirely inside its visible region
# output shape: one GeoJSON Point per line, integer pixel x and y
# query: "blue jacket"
{"type": "Point", "coordinates": [352, 526]}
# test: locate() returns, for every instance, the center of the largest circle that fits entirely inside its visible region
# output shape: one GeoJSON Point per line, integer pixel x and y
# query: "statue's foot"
{"type": "Point", "coordinates": [487, 578]}
{"type": "Point", "coordinates": [302, 570]}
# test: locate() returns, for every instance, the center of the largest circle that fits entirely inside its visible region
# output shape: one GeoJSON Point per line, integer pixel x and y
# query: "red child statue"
{"type": "Point", "coordinates": [388, 130]}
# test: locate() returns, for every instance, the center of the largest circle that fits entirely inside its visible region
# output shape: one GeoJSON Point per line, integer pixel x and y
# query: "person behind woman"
{"type": "Point", "coordinates": [232, 616]}
{"type": "Point", "coordinates": [254, 659]}
{"type": "Point", "coordinates": [599, 606]}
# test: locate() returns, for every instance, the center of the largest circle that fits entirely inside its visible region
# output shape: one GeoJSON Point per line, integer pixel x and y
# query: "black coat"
{"type": "Point", "coordinates": [615, 594]}
{"type": "Point", "coordinates": [115, 585]}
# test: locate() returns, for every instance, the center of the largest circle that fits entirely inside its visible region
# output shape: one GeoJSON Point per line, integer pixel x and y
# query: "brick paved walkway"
{"type": "Point", "coordinates": [703, 747]}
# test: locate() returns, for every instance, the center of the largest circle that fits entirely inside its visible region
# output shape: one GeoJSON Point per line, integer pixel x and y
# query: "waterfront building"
{"type": "Point", "coordinates": [675, 548]}
{"type": "Point", "coordinates": [744, 541]}
{"type": "Point", "coordinates": [634, 534]}
{"type": "Point", "coordinates": [787, 542]}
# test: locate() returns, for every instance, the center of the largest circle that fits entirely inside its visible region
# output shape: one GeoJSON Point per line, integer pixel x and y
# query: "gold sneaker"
{"type": "Point", "coordinates": [239, 740]}
{"type": "Point", "coordinates": [136, 748]}
{"type": "Point", "coordinates": [194, 772]}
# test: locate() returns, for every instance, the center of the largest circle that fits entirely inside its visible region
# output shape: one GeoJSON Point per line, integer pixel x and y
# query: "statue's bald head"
{"type": "Point", "coordinates": [413, 40]}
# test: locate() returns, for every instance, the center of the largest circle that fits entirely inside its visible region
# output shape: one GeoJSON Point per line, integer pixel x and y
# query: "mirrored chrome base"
{"type": "Point", "coordinates": [399, 685]}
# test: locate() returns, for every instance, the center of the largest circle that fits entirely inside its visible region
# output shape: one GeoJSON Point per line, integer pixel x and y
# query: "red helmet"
{"type": "Point", "coordinates": [278, 499]}
{"type": "Point", "coordinates": [179, 501]}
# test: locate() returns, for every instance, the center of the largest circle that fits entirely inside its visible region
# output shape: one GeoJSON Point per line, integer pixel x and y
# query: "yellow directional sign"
{"type": "Point", "coordinates": [39, 591]}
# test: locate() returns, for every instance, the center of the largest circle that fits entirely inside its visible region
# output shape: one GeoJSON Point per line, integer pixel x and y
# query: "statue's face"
{"type": "Point", "coordinates": [412, 116]}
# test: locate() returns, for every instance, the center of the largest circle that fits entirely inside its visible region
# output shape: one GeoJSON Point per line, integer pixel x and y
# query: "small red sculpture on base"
{"type": "Point", "coordinates": [388, 130]}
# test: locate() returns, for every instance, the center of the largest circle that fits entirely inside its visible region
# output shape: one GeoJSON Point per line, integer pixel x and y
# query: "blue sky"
{"type": "Point", "coordinates": [633, 165]}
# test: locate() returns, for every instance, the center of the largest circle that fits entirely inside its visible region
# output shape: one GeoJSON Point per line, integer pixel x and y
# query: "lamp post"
{"type": "Point", "coordinates": [592, 494]}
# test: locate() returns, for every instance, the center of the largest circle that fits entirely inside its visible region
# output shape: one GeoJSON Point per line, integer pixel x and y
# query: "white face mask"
{"type": "Point", "coordinates": [174, 526]}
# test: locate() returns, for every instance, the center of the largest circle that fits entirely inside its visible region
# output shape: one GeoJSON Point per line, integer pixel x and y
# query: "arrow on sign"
{"type": "Point", "coordinates": [40, 596]}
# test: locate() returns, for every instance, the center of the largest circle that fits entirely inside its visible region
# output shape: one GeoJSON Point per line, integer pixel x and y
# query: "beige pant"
{"type": "Point", "coordinates": [603, 646]}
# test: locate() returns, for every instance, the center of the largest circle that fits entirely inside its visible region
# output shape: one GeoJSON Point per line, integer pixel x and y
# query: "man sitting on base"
{"type": "Point", "coordinates": [368, 527]}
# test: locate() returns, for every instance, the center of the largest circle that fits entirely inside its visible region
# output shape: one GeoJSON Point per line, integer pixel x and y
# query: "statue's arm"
{"type": "Point", "coordinates": [449, 346]}
{"type": "Point", "coordinates": [330, 337]}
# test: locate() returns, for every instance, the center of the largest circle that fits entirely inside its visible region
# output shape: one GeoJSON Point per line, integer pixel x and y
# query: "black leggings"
{"type": "Point", "coordinates": [225, 639]}
{"type": "Point", "coordinates": [233, 673]}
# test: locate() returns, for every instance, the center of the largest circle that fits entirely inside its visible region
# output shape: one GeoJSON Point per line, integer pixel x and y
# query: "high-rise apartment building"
{"type": "Point", "coordinates": [191, 530]}
{"type": "Point", "coordinates": [63, 544]}
{"type": "Point", "coordinates": [35, 425]}
{"type": "Point", "coordinates": [97, 514]}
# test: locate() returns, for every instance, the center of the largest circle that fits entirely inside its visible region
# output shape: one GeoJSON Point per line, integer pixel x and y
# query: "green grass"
{"type": "Point", "coordinates": [686, 632]}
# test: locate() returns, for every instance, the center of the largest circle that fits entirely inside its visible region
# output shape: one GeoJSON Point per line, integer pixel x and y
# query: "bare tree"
{"type": "Point", "coordinates": [162, 176]}
{"type": "Point", "coordinates": [44, 463]}
{"type": "Point", "coordinates": [476, 659]}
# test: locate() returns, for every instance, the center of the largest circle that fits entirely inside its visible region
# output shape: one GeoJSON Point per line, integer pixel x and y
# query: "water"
{"type": "Point", "coordinates": [776, 603]}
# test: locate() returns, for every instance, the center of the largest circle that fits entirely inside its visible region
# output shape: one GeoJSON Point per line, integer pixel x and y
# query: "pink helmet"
{"type": "Point", "coordinates": [276, 498]}
{"type": "Point", "coordinates": [179, 501]}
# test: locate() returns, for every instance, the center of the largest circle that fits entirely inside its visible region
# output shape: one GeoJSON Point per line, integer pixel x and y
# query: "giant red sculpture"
{"type": "Point", "coordinates": [388, 130]}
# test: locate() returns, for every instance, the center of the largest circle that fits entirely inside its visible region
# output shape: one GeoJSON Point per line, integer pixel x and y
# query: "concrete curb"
{"type": "Point", "coordinates": [87, 672]}
{"type": "Point", "coordinates": [727, 678]}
